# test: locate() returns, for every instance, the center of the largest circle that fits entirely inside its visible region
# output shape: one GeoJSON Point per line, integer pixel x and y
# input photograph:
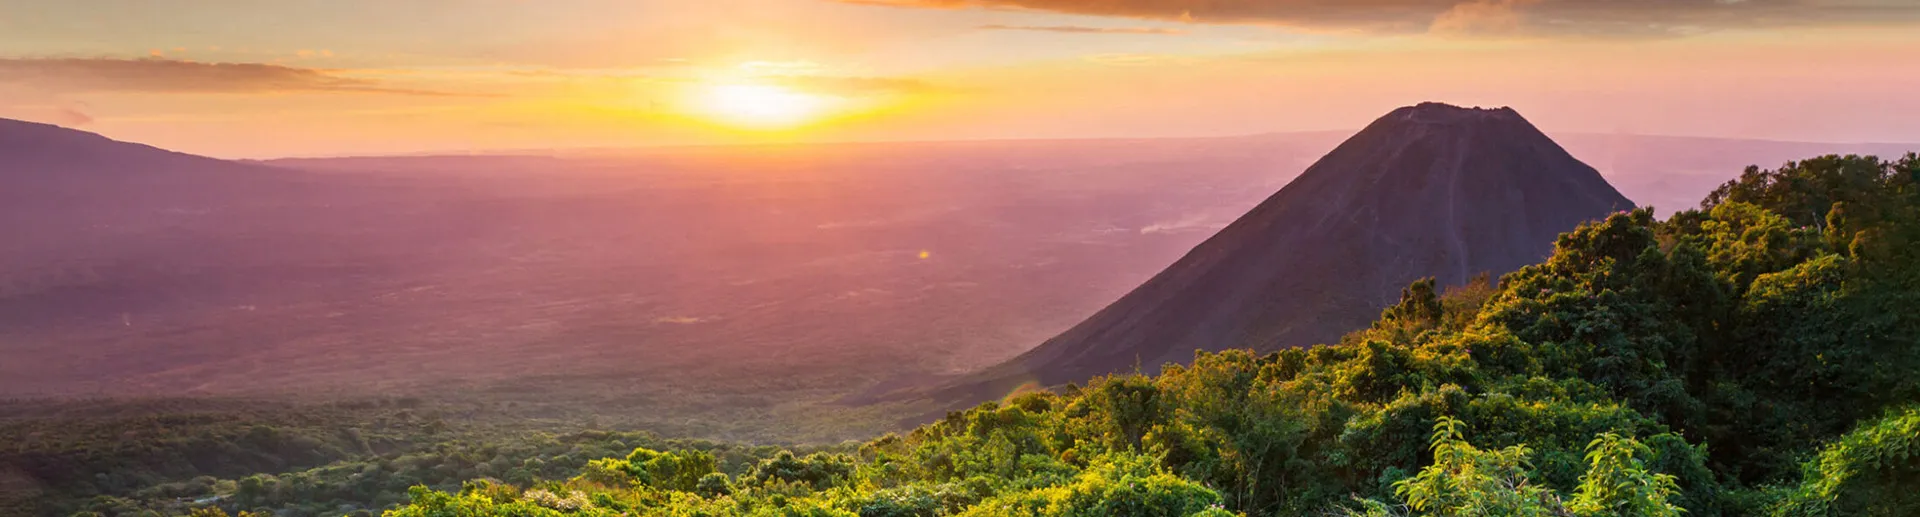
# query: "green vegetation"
{"type": "Point", "coordinates": [71, 455]}
{"type": "Point", "coordinates": [1753, 357]}
{"type": "Point", "coordinates": [167, 457]}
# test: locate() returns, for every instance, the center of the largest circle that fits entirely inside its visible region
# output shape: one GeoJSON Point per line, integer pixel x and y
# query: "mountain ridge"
{"type": "Point", "coordinates": [38, 146]}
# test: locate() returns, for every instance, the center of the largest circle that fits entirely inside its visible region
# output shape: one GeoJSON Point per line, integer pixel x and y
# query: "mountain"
{"type": "Point", "coordinates": [104, 235]}
{"type": "Point", "coordinates": [49, 170]}
{"type": "Point", "coordinates": [1426, 191]}
{"type": "Point", "coordinates": [34, 147]}
{"type": "Point", "coordinates": [67, 189]}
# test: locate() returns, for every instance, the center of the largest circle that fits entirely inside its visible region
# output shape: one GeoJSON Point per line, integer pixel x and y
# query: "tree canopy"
{"type": "Point", "coordinates": [1755, 356]}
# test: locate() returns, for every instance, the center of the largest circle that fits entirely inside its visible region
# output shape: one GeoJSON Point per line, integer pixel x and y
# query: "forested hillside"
{"type": "Point", "coordinates": [1754, 357]}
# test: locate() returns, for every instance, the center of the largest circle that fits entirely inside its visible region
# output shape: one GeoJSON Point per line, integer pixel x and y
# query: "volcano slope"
{"type": "Point", "coordinates": [1431, 190]}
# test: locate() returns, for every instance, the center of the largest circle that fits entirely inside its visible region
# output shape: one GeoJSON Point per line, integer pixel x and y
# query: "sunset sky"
{"type": "Point", "coordinates": [250, 78]}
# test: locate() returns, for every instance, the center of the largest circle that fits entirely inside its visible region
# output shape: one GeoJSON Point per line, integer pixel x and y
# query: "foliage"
{"type": "Point", "coordinates": [1618, 483]}
{"type": "Point", "coordinates": [1870, 471]}
{"type": "Point", "coordinates": [1763, 346]}
{"type": "Point", "coordinates": [1121, 485]}
{"type": "Point", "coordinates": [1466, 481]}
{"type": "Point", "coordinates": [682, 471]}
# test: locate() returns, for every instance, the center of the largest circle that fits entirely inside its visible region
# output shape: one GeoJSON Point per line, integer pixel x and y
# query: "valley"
{"type": "Point", "coordinates": [433, 320]}
{"type": "Point", "coordinates": [701, 289]}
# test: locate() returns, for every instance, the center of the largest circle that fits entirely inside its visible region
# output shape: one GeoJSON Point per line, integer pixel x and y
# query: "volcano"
{"type": "Point", "coordinates": [1431, 190]}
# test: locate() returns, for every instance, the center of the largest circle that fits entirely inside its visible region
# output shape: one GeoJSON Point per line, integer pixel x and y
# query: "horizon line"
{"type": "Point", "coordinates": [562, 152]}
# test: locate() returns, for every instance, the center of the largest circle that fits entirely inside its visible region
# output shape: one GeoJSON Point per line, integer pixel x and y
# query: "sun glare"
{"type": "Point", "coordinates": [763, 106]}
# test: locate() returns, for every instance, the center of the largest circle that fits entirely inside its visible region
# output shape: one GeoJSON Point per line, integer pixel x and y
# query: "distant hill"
{"type": "Point", "coordinates": [70, 195]}
{"type": "Point", "coordinates": [1672, 173]}
{"type": "Point", "coordinates": [31, 146]}
{"type": "Point", "coordinates": [52, 171]}
{"type": "Point", "coordinates": [118, 256]}
{"type": "Point", "coordinates": [1428, 190]}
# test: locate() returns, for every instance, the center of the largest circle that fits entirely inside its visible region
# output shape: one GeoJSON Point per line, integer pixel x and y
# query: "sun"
{"type": "Point", "coordinates": [761, 106]}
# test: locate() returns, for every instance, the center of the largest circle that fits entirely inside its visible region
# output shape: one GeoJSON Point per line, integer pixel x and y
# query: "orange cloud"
{"type": "Point", "coordinates": [1483, 17]}
{"type": "Point", "coordinates": [162, 75]}
{"type": "Point", "coordinates": [1075, 29]}
{"type": "Point", "coordinates": [1610, 18]}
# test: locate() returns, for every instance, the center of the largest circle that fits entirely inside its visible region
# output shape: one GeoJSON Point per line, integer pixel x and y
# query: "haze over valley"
{"type": "Point", "coordinates": [696, 281]}
{"type": "Point", "coordinates": [959, 258]}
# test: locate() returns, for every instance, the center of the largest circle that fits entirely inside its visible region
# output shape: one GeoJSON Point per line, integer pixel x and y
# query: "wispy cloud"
{"type": "Point", "coordinates": [163, 75]}
{"type": "Point", "coordinates": [1076, 29]}
{"type": "Point", "coordinates": [71, 116]}
{"type": "Point", "coordinates": [1581, 18]}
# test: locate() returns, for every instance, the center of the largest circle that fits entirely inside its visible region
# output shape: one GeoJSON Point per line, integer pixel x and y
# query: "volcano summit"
{"type": "Point", "coordinates": [1426, 191]}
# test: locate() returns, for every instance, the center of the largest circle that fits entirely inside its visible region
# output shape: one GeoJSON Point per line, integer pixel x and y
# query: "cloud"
{"type": "Point", "coordinates": [66, 114]}
{"type": "Point", "coordinates": [71, 116]}
{"type": "Point", "coordinates": [1593, 18]}
{"type": "Point", "coordinates": [1482, 17]}
{"type": "Point", "coordinates": [162, 75]}
{"type": "Point", "coordinates": [1075, 29]}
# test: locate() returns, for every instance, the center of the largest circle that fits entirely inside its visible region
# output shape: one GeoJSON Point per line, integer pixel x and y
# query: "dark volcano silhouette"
{"type": "Point", "coordinates": [1427, 191]}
